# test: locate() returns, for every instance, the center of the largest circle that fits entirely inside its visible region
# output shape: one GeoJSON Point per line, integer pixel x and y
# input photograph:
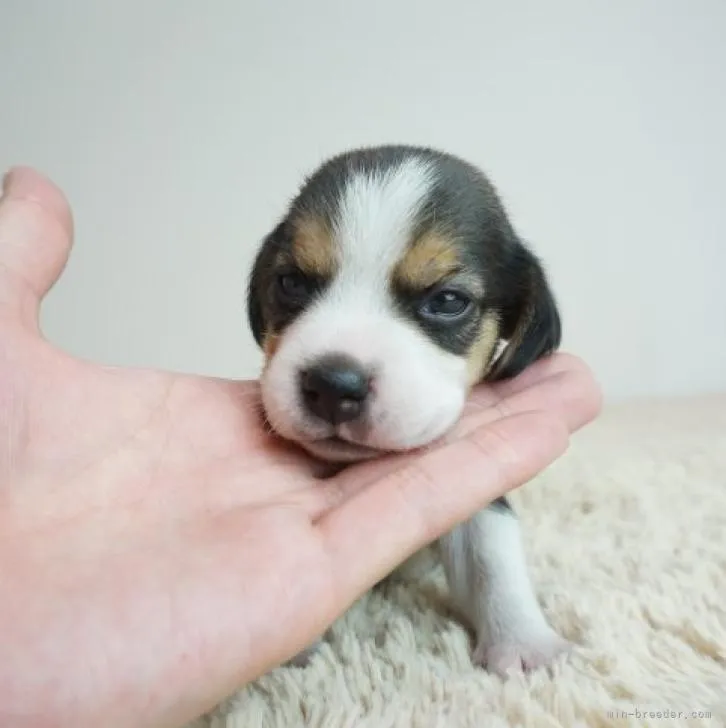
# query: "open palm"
{"type": "Point", "coordinates": [159, 548]}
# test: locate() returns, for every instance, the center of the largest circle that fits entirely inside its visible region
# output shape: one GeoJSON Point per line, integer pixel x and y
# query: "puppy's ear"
{"type": "Point", "coordinates": [530, 319]}
{"type": "Point", "coordinates": [258, 282]}
{"type": "Point", "coordinates": [254, 309]}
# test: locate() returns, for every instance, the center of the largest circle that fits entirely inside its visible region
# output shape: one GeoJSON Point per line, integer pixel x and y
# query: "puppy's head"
{"type": "Point", "coordinates": [385, 293]}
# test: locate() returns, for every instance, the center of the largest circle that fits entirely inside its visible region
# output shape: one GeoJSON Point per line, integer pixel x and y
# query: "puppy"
{"type": "Point", "coordinates": [393, 284]}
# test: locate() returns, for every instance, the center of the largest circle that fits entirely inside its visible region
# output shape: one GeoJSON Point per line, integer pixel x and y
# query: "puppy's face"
{"type": "Point", "coordinates": [384, 295]}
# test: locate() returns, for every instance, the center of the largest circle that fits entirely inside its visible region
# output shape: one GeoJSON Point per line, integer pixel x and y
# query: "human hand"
{"type": "Point", "coordinates": [159, 548]}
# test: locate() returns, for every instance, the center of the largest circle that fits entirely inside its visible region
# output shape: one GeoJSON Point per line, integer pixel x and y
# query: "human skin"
{"type": "Point", "coordinates": [159, 548]}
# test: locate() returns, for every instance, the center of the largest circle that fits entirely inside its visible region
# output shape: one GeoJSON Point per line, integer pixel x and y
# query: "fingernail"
{"type": "Point", "coordinates": [11, 178]}
{"type": "Point", "coordinates": [20, 179]}
{"type": "Point", "coordinates": [7, 178]}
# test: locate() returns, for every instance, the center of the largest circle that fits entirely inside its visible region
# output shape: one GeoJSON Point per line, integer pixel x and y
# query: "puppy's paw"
{"type": "Point", "coordinates": [524, 655]}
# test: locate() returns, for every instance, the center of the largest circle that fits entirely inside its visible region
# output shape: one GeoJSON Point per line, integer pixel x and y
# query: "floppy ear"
{"type": "Point", "coordinates": [530, 320]}
{"type": "Point", "coordinates": [258, 281]}
{"type": "Point", "coordinates": [255, 318]}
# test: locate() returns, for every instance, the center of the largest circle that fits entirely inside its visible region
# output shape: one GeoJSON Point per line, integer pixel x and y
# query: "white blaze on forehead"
{"type": "Point", "coordinates": [420, 388]}
{"type": "Point", "coordinates": [375, 220]}
{"type": "Point", "coordinates": [372, 229]}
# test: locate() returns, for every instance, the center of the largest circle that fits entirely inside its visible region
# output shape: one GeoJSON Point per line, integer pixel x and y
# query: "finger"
{"type": "Point", "coordinates": [564, 386]}
{"type": "Point", "coordinates": [563, 389]}
{"type": "Point", "coordinates": [378, 528]}
{"type": "Point", "coordinates": [543, 368]}
{"type": "Point", "coordinates": [36, 230]}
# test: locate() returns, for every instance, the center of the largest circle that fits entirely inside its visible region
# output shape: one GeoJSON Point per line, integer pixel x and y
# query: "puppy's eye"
{"type": "Point", "coordinates": [295, 286]}
{"type": "Point", "coordinates": [446, 304]}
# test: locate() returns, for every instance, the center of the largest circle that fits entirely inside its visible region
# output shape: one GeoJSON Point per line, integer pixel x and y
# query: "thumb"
{"type": "Point", "coordinates": [36, 230]}
{"type": "Point", "coordinates": [370, 534]}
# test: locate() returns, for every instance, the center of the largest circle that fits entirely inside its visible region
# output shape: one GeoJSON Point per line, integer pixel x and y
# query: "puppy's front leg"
{"type": "Point", "coordinates": [487, 573]}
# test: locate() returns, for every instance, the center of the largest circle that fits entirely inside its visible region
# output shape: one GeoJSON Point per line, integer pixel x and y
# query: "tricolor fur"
{"type": "Point", "coordinates": [392, 285]}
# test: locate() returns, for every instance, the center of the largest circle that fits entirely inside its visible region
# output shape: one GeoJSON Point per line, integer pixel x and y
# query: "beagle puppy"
{"type": "Point", "coordinates": [393, 284]}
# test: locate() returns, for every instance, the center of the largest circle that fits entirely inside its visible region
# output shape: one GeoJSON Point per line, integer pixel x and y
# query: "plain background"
{"type": "Point", "coordinates": [179, 130]}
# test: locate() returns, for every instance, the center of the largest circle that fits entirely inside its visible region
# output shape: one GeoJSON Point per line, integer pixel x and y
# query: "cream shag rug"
{"type": "Point", "coordinates": [627, 542]}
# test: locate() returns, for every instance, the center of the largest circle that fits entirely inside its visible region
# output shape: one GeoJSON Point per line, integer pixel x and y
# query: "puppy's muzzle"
{"type": "Point", "coordinates": [335, 389]}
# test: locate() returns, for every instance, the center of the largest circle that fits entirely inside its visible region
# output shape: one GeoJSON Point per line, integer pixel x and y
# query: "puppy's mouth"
{"type": "Point", "coordinates": [337, 449]}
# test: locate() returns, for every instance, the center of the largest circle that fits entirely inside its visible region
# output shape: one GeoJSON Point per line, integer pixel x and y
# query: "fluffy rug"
{"type": "Point", "coordinates": [627, 543]}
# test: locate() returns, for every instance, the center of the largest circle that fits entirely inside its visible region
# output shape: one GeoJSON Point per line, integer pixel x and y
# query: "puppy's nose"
{"type": "Point", "coordinates": [335, 389]}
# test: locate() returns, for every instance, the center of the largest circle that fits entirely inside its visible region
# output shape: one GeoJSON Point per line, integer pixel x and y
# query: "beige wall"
{"type": "Point", "coordinates": [179, 133]}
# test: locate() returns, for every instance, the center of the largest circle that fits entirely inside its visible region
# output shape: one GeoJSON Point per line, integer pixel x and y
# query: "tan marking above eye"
{"type": "Point", "coordinates": [480, 354]}
{"type": "Point", "coordinates": [313, 249]}
{"type": "Point", "coordinates": [430, 259]}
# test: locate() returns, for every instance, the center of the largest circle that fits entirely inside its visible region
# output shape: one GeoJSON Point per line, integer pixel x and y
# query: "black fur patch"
{"type": "Point", "coordinates": [502, 504]}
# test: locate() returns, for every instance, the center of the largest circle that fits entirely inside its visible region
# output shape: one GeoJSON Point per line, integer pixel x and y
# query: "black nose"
{"type": "Point", "coordinates": [335, 389]}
